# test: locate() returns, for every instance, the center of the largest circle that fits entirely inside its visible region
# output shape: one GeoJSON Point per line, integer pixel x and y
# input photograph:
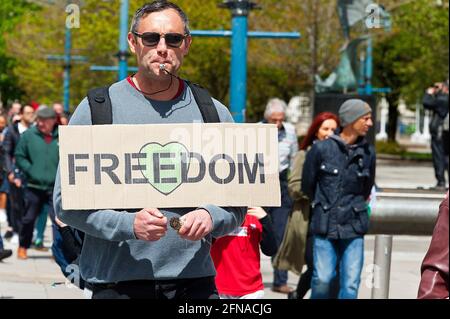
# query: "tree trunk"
{"type": "Point", "coordinates": [393, 116]}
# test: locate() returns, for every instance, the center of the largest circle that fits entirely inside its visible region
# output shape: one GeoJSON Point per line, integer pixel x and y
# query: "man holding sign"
{"type": "Point", "coordinates": [134, 254]}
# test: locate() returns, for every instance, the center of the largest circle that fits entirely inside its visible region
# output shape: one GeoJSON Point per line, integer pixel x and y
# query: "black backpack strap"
{"type": "Point", "coordinates": [100, 104]}
{"type": "Point", "coordinates": [205, 103]}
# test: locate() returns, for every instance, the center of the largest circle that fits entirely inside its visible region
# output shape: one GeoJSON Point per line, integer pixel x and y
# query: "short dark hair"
{"type": "Point", "coordinates": [22, 108]}
{"type": "Point", "coordinates": [158, 6]}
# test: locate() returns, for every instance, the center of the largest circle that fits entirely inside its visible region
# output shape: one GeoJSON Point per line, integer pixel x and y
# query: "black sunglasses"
{"type": "Point", "coordinates": [151, 39]}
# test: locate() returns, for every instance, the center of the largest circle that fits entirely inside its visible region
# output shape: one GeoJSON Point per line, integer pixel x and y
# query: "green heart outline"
{"type": "Point", "coordinates": [163, 146]}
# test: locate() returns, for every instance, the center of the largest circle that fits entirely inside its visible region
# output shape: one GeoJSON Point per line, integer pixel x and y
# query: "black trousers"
{"type": "Point", "coordinates": [445, 142]}
{"type": "Point", "coordinates": [440, 158]}
{"type": "Point", "coordinates": [34, 201]}
{"type": "Point", "coordinates": [16, 207]}
{"type": "Point", "coordinates": [176, 289]}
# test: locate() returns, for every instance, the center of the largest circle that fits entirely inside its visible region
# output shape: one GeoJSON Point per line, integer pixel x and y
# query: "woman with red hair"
{"type": "Point", "coordinates": [296, 248]}
{"type": "Point", "coordinates": [322, 126]}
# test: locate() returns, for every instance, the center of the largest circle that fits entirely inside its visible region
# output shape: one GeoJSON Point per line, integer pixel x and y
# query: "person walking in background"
{"type": "Point", "coordinates": [3, 124]}
{"type": "Point", "coordinates": [296, 248]}
{"type": "Point", "coordinates": [14, 112]}
{"type": "Point", "coordinates": [434, 279]}
{"type": "Point", "coordinates": [4, 184]}
{"type": "Point", "coordinates": [436, 100]}
{"type": "Point", "coordinates": [37, 157]}
{"type": "Point", "coordinates": [237, 258]}
{"type": "Point", "coordinates": [287, 148]}
{"type": "Point", "coordinates": [61, 117]}
{"type": "Point", "coordinates": [338, 175]}
{"type": "Point", "coordinates": [15, 178]}
{"type": "Point", "coordinates": [4, 253]}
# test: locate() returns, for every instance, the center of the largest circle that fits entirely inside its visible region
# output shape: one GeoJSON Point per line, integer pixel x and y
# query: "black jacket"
{"type": "Point", "coordinates": [269, 246]}
{"type": "Point", "coordinates": [338, 179]}
{"type": "Point", "coordinates": [10, 142]}
{"type": "Point", "coordinates": [437, 103]}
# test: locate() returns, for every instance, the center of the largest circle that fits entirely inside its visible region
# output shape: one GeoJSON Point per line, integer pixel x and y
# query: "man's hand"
{"type": "Point", "coordinates": [196, 225]}
{"type": "Point", "coordinates": [14, 180]}
{"type": "Point", "coordinates": [59, 222]}
{"type": "Point", "coordinates": [150, 224]}
{"type": "Point", "coordinates": [258, 212]}
{"type": "Point", "coordinates": [431, 91]}
{"type": "Point", "coordinates": [18, 182]}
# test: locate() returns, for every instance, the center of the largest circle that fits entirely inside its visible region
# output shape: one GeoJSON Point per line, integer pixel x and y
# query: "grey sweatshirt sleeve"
{"type": "Point", "coordinates": [105, 224]}
{"type": "Point", "coordinates": [225, 219]}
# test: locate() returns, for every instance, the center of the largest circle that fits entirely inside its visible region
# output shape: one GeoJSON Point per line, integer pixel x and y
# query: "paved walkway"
{"type": "Point", "coordinates": [407, 255]}
{"type": "Point", "coordinates": [40, 277]}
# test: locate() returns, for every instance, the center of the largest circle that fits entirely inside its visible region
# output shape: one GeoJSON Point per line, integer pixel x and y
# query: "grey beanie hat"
{"type": "Point", "coordinates": [351, 110]}
{"type": "Point", "coordinates": [45, 112]}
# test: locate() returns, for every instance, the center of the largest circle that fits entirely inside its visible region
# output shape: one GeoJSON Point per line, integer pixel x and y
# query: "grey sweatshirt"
{"type": "Point", "coordinates": [111, 252]}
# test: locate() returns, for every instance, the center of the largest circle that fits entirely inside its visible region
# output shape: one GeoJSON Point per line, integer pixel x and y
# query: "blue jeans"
{"type": "Point", "coordinates": [57, 250]}
{"type": "Point", "coordinates": [350, 253]}
{"type": "Point", "coordinates": [40, 225]}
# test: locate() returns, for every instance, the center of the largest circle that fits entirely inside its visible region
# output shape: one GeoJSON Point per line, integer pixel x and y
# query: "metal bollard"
{"type": "Point", "coordinates": [382, 266]}
{"type": "Point", "coordinates": [405, 212]}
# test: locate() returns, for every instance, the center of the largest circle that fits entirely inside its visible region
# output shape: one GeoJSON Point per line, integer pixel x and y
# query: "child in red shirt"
{"type": "Point", "coordinates": [236, 257]}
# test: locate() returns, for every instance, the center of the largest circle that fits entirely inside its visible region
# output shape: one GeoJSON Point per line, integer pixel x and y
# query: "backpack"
{"type": "Point", "coordinates": [101, 107]}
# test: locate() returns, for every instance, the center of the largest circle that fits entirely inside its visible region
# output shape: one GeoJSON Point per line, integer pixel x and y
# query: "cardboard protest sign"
{"type": "Point", "coordinates": [169, 165]}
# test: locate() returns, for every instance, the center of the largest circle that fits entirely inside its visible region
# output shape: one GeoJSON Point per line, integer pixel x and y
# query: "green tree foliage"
{"type": "Point", "coordinates": [276, 68]}
{"type": "Point", "coordinates": [11, 12]}
{"type": "Point", "coordinates": [414, 55]}
{"type": "Point", "coordinates": [281, 67]}
{"type": "Point", "coordinates": [209, 59]}
{"type": "Point", "coordinates": [42, 33]}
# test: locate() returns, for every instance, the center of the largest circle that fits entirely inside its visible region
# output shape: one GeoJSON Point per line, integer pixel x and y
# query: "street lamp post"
{"type": "Point", "coordinates": [67, 66]}
{"type": "Point", "coordinates": [123, 45]}
{"type": "Point", "coordinates": [238, 82]}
